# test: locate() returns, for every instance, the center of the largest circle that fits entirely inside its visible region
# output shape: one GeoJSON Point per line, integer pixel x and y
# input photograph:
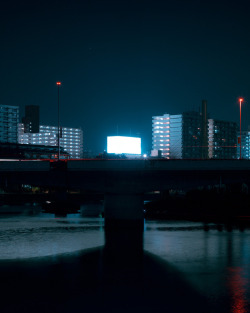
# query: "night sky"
{"type": "Point", "coordinates": [121, 62]}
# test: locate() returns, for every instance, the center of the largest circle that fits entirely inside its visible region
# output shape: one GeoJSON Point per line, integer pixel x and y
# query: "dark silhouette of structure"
{"type": "Point", "coordinates": [26, 152]}
{"type": "Point", "coordinates": [31, 119]}
{"type": "Point", "coordinates": [204, 131]}
{"type": "Point", "coordinates": [124, 182]}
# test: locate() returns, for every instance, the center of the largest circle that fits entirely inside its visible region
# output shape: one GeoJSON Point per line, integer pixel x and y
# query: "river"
{"type": "Point", "coordinates": [50, 264]}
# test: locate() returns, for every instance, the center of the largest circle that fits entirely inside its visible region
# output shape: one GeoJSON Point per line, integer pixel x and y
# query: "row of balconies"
{"type": "Point", "coordinates": [42, 138]}
{"type": "Point", "coordinates": [45, 129]}
{"type": "Point", "coordinates": [8, 136]}
{"type": "Point", "coordinates": [8, 121]}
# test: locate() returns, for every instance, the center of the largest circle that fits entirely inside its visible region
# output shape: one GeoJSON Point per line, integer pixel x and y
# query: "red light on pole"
{"type": "Point", "coordinates": [240, 100]}
{"type": "Point", "coordinates": [58, 83]}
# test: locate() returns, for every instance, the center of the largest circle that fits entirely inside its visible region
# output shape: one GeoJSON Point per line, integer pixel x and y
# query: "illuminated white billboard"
{"type": "Point", "coordinates": [122, 144]}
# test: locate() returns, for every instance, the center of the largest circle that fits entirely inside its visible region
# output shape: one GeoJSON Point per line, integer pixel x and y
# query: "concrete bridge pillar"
{"type": "Point", "coordinates": [124, 224]}
{"type": "Point", "coordinates": [60, 198]}
{"type": "Point", "coordinates": [123, 210]}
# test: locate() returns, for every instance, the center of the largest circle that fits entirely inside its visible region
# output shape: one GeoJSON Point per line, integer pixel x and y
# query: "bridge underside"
{"type": "Point", "coordinates": [125, 182]}
{"type": "Point", "coordinates": [128, 181]}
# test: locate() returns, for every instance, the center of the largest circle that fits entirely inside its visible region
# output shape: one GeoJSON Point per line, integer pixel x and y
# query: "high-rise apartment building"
{"type": "Point", "coordinates": [192, 135]}
{"type": "Point", "coordinates": [222, 139]}
{"type": "Point", "coordinates": [9, 119]}
{"type": "Point", "coordinates": [71, 138]}
{"type": "Point", "coordinates": [179, 136]}
{"type": "Point", "coordinates": [31, 119]}
{"type": "Point", "coordinates": [161, 134]}
{"type": "Point", "coordinates": [204, 131]}
{"type": "Point", "coordinates": [245, 145]}
{"type": "Point", "coordinates": [176, 137]}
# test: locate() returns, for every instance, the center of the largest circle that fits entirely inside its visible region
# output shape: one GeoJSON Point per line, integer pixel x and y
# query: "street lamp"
{"type": "Point", "coordinates": [58, 141]}
{"type": "Point", "coordinates": [240, 100]}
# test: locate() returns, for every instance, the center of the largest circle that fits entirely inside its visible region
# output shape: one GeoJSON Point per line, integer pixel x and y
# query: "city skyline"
{"type": "Point", "coordinates": [121, 60]}
{"type": "Point", "coordinates": [226, 138]}
{"type": "Point", "coordinates": [210, 118]}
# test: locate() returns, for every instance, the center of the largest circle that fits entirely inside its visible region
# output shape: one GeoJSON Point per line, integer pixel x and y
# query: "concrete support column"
{"type": "Point", "coordinates": [124, 223]}
{"type": "Point", "coordinates": [61, 195]}
{"type": "Point", "coordinates": [123, 210]}
{"type": "Point", "coordinates": [60, 198]}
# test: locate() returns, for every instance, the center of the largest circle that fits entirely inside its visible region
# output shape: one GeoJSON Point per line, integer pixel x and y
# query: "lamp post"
{"type": "Point", "coordinates": [240, 100]}
{"type": "Point", "coordinates": [58, 111]}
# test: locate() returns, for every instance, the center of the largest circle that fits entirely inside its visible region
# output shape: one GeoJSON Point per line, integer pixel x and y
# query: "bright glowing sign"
{"type": "Point", "coordinates": [121, 144]}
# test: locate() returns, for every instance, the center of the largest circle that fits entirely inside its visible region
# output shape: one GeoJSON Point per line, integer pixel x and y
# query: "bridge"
{"type": "Point", "coordinates": [124, 182]}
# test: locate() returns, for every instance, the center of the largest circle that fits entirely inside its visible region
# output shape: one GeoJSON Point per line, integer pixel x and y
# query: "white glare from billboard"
{"type": "Point", "coordinates": [122, 144]}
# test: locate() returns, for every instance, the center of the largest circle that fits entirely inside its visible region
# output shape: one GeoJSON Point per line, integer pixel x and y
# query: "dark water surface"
{"type": "Point", "coordinates": [52, 264]}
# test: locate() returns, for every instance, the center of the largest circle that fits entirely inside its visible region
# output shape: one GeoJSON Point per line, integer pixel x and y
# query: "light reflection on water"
{"type": "Point", "coordinates": [238, 284]}
{"type": "Point", "coordinates": [44, 235]}
{"type": "Point", "coordinates": [215, 263]}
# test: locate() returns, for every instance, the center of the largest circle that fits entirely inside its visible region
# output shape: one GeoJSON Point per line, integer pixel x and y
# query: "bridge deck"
{"type": "Point", "coordinates": [125, 175]}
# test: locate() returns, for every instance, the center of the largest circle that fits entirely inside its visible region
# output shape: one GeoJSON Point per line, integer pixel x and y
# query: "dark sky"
{"type": "Point", "coordinates": [121, 62]}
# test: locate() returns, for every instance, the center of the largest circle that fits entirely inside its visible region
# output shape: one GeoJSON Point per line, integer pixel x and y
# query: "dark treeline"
{"type": "Point", "coordinates": [226, 203]}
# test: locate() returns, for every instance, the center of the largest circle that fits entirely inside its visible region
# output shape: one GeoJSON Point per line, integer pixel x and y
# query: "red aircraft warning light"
{"type": "Point", "coordinates": [58, 83]}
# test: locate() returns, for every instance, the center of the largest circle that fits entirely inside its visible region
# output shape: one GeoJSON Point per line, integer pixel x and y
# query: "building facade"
{"type": "Point", "coordinates": [222, 139]}
{"type": "Point", "coordinates": [71, 139]}
{"type": "Point", "coordinates": [191, 135]}
{"type": "Point", "coordinates": [178, 136]}
{"type": "Point", "coordinates": [31, 119]}
{"type": "Point", "coordinates": [245, 145]}
{"type": "Point", "coordinates": [161, 134]}
{"type": "Point", "coordinates": [9, 119]}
